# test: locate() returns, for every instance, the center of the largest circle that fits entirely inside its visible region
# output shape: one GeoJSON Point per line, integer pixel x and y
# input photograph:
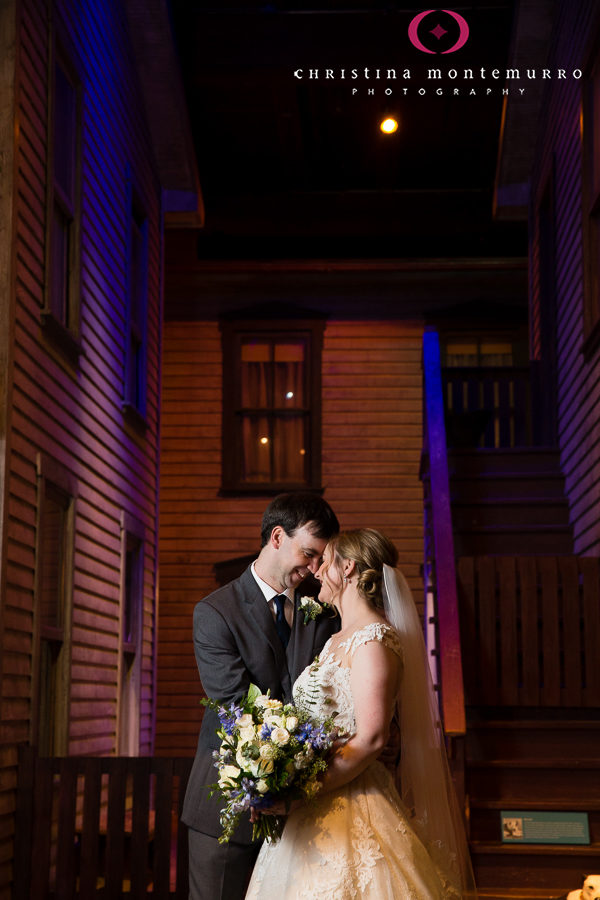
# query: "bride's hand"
{"type": "Point", "coordinates": [277, 808]}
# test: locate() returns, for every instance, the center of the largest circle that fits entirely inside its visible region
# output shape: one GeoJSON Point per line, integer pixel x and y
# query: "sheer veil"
{"type": "Point", "coordinates": [423, 776]}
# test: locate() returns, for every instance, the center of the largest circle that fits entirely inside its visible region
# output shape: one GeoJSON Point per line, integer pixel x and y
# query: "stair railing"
{"type": "Point", "coordinates": [443, 630]}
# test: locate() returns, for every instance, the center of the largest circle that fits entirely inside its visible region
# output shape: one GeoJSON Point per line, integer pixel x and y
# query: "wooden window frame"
{"type": "Point", "coordinates": [54, 478]}
{"type": "Point", "coordinates": [62, 328]}
{"type": "Point", "coordinates": [590, 143]}
{"type": "Point", "coordinates": [133, 539]}
{"type": "Point", "coordinates": [233, 332]}
{"type": "Point", "coordinates": [136, 329]}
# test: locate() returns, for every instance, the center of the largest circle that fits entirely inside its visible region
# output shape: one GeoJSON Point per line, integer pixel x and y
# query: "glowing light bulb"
{"type": "Point", "coordinates": [289, 395]}
{"type": "Point", "coordinates": [264, 440]}
{"type": "Point", "coordinates": [389, 125]}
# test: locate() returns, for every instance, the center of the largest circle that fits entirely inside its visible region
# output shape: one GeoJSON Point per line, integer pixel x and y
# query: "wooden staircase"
{"type": "Point", "coordinates": [517, 762]}
{"type": "Point", "coordinates": [529, 626]}
{"type": "Point", "coordinates": [498, 558]}
{"type": "Point", "coordinates": [508, 501]}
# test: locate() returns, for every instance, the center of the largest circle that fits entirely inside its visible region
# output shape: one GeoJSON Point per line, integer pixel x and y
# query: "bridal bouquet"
{"type": "Point", "coordinates": [269, 751]}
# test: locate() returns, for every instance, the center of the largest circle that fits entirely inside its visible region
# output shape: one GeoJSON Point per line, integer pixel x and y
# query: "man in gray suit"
{"type": "Point", "coordinates": [250, 631]}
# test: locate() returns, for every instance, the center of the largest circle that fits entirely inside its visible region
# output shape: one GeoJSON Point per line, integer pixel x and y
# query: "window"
{"type": "Point", "coordinates": [591, 208]}
{"type": "Point", "coordinates": [478, 352]}
{"type": "Point", "coordinates": [132, 599]}
{"type": "Point", "coordinates": [487, 390]}
{"type": "Point", "coordinates": [271, 405]}
{"type": "Point", "coordinates": [137, 281]}
{"type": "Point", "coordinates": [53, 619]}
{"type": "Point", "coordinates": [61, 314]}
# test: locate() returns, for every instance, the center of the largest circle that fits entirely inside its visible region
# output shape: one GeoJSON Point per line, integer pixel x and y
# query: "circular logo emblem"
{"type": "Point", "coordinates": [437, 31]}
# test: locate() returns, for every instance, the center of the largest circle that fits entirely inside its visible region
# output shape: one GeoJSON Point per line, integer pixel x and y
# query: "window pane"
{"type": "Point", "coordinates": [289, 450]}
{"type": "Point", "coordinates": [59, 269]}
{"type": "Point", "coordinates": [256, 444]}
{"type": "Point", "coordinates": [289, 375]}
{"type": "Point", "coordinates": [255, 375]}
{"type": "Point", "coordinates": [137, 277]}
{"type": "Point", "coordinates": [64, 133]}
{"type": "Point", "coordinates": [49, 698]}
{"type": "Point", "coordinates": [52, 561]}
{"type": "Point", "coordinates": [133, 590]}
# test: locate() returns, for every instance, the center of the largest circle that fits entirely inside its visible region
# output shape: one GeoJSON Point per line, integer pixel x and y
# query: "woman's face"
{"type": "Point", "coordinates": [330, 578]}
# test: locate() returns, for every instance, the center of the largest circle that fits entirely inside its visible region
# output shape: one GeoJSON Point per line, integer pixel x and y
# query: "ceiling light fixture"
{"type": "Point", "coordinates": [388, 125]}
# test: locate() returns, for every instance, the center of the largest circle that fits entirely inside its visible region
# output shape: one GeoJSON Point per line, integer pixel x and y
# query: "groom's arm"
{"type": "Point", "coordinates": [223, 673]}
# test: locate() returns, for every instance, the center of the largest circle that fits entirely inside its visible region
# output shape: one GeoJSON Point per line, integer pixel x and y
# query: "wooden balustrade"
{"type": "Point", "coordinates": [488, 406]}
{"type": "Point", "coordinates": [91, 827]}
{"type": "Point", "coordinates": [530, 629]}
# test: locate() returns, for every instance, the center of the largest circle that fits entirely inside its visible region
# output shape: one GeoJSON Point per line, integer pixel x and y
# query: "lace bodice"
{"type": "Point", "coordinates": [324, 687]}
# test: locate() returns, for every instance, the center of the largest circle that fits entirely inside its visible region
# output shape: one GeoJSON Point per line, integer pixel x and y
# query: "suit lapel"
{"type": "Point", "coordinates": [259, 614]}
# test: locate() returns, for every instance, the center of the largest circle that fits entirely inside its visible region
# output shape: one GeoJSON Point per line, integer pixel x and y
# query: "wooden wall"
{"type": "Point", "coordinates": [371, 447]}
{"type": "Point", "coordinates": [560, 158]}
{"type": "Point", "coordinates": [71, 415]}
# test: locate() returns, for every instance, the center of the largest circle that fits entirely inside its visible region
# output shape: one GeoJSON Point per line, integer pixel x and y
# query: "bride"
{"type": "Point", "coordinates": [363, 837]}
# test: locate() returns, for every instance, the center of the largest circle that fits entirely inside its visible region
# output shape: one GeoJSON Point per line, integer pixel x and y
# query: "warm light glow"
{"type": "Point", "coordinates": [302, 451]}
{"type": "Point", "coordinates": [264, 440]}
{"type": "Point", "coordinates": [289, 395]}
{"type": "Point", "coordinates": [389, 125]}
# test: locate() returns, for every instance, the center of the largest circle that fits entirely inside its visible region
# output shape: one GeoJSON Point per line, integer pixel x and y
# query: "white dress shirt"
{"type": "Point", "coordinates": [269, 593]}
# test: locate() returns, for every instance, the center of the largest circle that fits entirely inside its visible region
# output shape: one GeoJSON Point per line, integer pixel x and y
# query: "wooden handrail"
{"type": "Point", "coordinates": [448, 629]}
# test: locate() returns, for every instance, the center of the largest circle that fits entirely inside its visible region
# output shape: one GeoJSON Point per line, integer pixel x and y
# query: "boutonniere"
{"type": "Point", "coordinates": [312, 608]}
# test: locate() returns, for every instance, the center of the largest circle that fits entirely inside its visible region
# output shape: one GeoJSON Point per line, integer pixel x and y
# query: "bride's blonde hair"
{"type": "Point", "coordinates": [370, 550]}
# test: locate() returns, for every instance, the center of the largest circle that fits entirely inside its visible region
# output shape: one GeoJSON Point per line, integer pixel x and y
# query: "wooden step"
{"type": "Point", "coordinates": [475, 486]}
{"type": "Point", "coordinates": [518, 894]}
{"type": "Point", "coordinates": [555, 737]}
{"type": "Point", "coordinates": [552, 540]}
{"type": "Point", "coordinates": [556, 868]}
{"type": "Point", "coordinates": [519, 461]}
{"type": "Point", "coordinates": [508, 511]}
{"type": "Point", "coordinates": [534, 781]}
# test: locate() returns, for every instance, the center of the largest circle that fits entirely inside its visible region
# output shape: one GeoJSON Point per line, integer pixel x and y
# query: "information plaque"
{"type": "Point", "coordinates": [525, 827]}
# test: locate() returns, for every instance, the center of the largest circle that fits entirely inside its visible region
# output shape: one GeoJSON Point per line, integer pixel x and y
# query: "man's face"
{"type": "Point", "coordinates": [293, 557]}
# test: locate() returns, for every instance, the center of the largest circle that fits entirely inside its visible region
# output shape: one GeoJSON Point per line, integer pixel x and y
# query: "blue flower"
{"type": "Point", "coordinates": [228, 716]}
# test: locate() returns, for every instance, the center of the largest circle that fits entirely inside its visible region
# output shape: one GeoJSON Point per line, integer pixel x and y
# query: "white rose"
{"type": "Point", "coordinates": [262, 787]}
{"type": "Point", "coordinates": [243, 762]}
{"type": "Point", "coordinates": [247, 734]}
{"type": "Point", "coordinates": [267, 751]}
{"type": "Point", "coordinates": [259, 767]}
{"type": "Point", "coordinates": [227, 776]}
{"type": "Point", "coordinates": [244, 721]}
{"type": "Point", "coordinates": [291, 723]}
{"type": "Point", "coordinates": [280, 736]}
{"type": "Point", "coordinates": [267, 703]}
{"type": "Point", "coordinates": [273, 719]}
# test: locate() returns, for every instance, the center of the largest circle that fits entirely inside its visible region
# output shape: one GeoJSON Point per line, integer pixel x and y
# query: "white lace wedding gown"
{"type": "Point", "coordinates": [357, 841]}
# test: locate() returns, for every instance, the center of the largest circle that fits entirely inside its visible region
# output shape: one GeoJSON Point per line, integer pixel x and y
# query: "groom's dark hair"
{"type": "Point", "coordinates": [296, 509]}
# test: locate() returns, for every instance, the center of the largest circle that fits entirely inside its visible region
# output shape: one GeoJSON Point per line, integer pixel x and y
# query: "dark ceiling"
{"type": "Point", "coordinates": [296, 167]}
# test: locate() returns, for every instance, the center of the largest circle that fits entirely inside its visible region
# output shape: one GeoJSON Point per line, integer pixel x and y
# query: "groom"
{"type": "Point", "coordinates": [250, 631]}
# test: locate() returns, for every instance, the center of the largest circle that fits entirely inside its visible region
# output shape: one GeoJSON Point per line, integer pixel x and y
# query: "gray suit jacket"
{"type": "Point", "coordinates": [236, 644]}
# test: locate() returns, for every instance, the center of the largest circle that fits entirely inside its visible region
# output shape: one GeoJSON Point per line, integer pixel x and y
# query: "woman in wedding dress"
{"type": "Point", "coordinates": [368, 834]}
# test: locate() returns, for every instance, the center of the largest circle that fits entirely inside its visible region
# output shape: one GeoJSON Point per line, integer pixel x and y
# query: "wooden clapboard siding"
{"type": "Point", "coordinates": [371, 391]}
{"type": "Point", "coordinates": [578, 378]}
{"type": "Point", "coordinates": [372, 432]}
{"type": "Point", "coordinates": [73, 417]}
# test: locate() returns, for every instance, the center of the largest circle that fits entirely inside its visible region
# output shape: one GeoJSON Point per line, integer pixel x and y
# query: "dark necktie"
{"type": "Point", "coordinates": [283, 629]}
